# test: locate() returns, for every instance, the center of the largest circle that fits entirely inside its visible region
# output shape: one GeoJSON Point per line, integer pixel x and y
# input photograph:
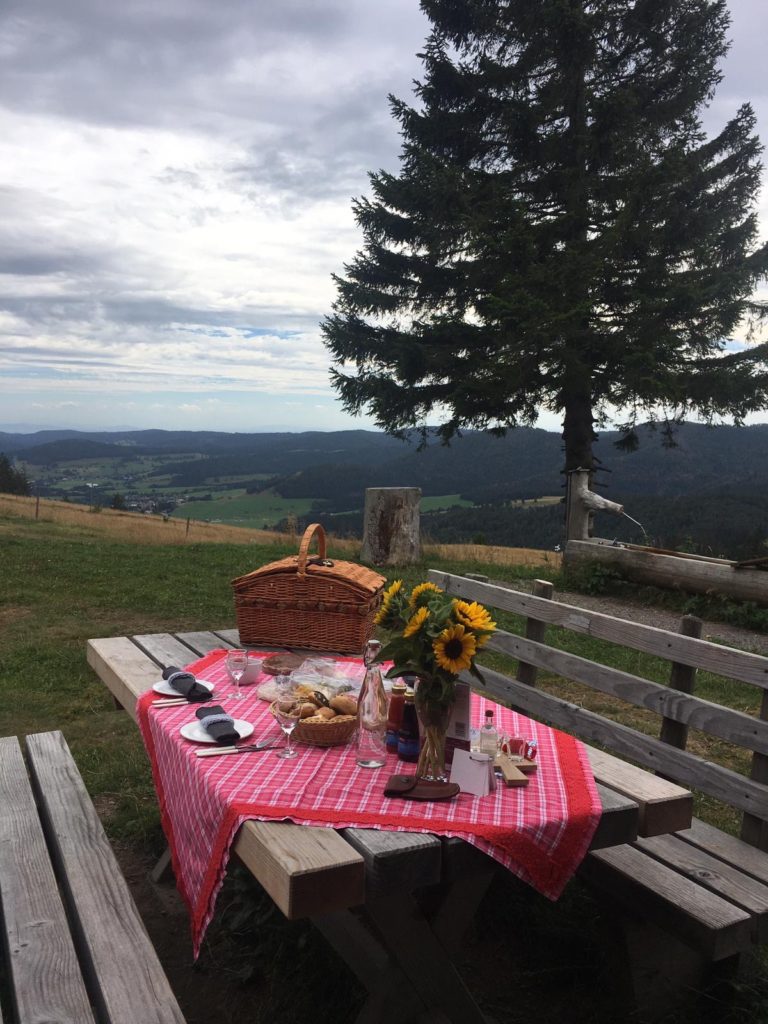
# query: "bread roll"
{"type": "Point", "coordinates": [325, 713]}
{"type": "Point", "coordinates": [344, 705]}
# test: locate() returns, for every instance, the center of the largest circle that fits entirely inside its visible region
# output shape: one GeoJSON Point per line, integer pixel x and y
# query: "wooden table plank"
{"type": "Point", "coordinates": [203, 641]}
{"type": "Point", "coordinates": [619, 821]}
{"type": "Point", "coordinates": [165, 649]}
{"type": "Point", "coordinates": [306, 871]}
{"type": "Point", "coordinates": [403, 860]}
{"type": "Point", "coordinates": [126, 671]}
{"type": "Point", "coordinates": [43, 969]}
{"type": "Point", "coordinates": [664, 806]}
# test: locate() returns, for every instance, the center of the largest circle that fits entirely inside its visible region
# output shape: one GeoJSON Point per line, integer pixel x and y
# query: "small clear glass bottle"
{"type": "Point", "coordinates": [372, 712]}
{"type": "Point", "coordinates": [489, 736]}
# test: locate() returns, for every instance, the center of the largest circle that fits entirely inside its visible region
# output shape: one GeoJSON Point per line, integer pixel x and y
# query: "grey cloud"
{"type": "Point", "coordinates": [139, 62]}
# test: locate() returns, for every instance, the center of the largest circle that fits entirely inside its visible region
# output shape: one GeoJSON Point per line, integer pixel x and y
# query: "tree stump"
{"type": "Point", "coordinates": [391, 526]}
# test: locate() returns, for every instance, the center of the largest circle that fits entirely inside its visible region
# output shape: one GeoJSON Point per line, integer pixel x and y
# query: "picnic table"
{"type": "Point", "coordinates": [359, 886]}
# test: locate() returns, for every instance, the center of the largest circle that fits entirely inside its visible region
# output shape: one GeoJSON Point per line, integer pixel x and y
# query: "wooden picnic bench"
{"type": "Point", "coordinates": [74, 948]}
{"type": "Point", "coordinates": [692, 899]}
{"type": "Point", "coordinates": [361, 887]}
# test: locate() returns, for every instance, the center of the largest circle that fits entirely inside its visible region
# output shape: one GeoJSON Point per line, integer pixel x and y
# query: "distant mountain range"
{"type": "Point", "coordinates": [710, 489]}
{"type": "Point", "coordinates": [338, 465]}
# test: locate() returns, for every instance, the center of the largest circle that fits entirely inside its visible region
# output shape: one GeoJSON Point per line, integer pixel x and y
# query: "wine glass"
{"type": "Point", "coordinates": [287, 713]}
{"type": "Point", "coordinates": [237, 663]}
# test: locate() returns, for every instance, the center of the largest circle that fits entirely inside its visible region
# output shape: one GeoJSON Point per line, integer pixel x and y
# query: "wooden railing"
{"type": "Point", "coordinates": [676, 703]}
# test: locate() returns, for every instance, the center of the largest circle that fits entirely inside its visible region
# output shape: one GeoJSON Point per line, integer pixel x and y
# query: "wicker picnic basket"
{"type": "Point", "coordinates": [308, 602]}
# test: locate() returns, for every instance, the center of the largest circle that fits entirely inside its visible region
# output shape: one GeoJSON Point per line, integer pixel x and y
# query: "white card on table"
{"type": "Point", "coordinates": [473, 772]}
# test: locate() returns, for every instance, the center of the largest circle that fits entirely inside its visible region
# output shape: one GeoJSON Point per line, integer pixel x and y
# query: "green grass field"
{"type": "Point", "coordinates": [236, 508]}
{"type": "Point", "coordinates": [435, 503]}
{"type": "Point", "coordinates": [61, 586]}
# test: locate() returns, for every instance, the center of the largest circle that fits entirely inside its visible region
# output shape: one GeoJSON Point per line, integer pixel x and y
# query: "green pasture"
{"type": "Point", "coordinates": [61, 586]}
{"type": "Point", "coordinates": [435, 503]}
{"type": "Point", "coordinates": [235, 508]}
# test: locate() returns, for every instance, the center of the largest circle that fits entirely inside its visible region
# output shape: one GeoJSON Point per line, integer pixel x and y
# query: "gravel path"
{"type": "Point", "coordinates": [720, 632]}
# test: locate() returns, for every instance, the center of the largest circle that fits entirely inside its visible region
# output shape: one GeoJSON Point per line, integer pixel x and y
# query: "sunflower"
{"type": "Point", "coordinates": [390, 593]}
{"type": "Point", "coordinates": [416, 621]}
{"type": "Point", "coordinates": [422, 588]}
{"type": "Point", "coordinates": [454, 649]}
{"type": "Point", "coordinates": [473, 616]}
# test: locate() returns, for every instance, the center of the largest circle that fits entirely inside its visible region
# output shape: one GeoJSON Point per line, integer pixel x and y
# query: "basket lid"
{"type": "Point", "coordinates": [359, 578]}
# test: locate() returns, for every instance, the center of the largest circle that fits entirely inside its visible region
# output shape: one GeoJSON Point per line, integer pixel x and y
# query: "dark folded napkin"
{"type": "Point", "coordinates": [185, 684]}
{"type": "Point", "coordinates": [219, 725]}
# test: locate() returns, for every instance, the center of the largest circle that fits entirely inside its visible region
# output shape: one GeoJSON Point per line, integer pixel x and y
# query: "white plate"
{"type": "Point", "coordinates": [194, 731]}
{"type": "Point", "coordinates": [167, 690]}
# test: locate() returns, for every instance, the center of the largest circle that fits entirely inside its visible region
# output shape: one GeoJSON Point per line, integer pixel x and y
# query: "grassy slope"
{"type": "Point", "coordinates": [62, 585]}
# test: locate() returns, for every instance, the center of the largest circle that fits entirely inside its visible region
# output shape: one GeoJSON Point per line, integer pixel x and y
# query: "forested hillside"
{"type": "Point", "coordinates": [708, 493]}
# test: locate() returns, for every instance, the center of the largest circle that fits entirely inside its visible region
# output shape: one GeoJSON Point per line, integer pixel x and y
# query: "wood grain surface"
{"type": "Point", "coordinates": [127, 980]}
{"type": "Point", "coordinates": [43, 970]}
{"type": "Point", "coordinates": [700, 918]}
{"type": "Point", "coordinates": [725, 661]}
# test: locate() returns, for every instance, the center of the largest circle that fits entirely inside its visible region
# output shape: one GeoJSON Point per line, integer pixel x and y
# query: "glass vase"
{"type": "Point", "coordinates": [434, 716]}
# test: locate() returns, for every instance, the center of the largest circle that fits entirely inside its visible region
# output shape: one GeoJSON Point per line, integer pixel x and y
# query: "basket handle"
{"type": "Point", "coordinates": [306, 540]}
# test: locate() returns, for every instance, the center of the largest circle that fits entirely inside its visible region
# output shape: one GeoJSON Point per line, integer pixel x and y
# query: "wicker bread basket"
{"type": "Point", "coordinates": [312, 603]}
{"type": "Point", "coordinates": [325, 734]}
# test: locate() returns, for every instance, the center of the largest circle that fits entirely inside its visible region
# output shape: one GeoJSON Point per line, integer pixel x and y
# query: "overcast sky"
{"type": "Point", "coordinates": [175, 185]}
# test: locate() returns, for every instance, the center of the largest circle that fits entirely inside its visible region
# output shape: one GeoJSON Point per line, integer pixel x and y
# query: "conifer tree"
{"type": "Point", "coordinates": [12, 480]}
{"type": "Point", "coordinates": [562, 233]}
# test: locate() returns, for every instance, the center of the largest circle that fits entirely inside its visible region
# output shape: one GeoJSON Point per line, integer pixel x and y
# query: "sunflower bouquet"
{"type": "Point", "coordinates": [435, 637]}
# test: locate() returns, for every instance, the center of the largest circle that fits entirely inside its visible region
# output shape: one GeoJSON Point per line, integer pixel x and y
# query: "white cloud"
{"type": "Point", "coordinates": [175, 194]}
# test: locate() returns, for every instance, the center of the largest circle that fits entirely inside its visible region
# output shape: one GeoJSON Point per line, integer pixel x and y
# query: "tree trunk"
{"type": "Point", "coordinates": [391, 526]}
{"type": "Point", "coordinates": [578, 430]}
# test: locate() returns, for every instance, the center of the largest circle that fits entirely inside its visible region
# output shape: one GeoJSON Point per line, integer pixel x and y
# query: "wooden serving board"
{"type": "Point", "coordinates": [510, 771]}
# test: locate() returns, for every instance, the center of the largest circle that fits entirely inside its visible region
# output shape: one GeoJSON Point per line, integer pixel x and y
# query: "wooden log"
{"type": "Point", "coordinates": [581, 503]}
{"type": "Point", "coordinates": [663, 643]}
{"type": "Point", "coordinates": [535, 629]}
{"type": "Point", "coordinates": [391, 526]}
{"type": "Point", "coordinates": [697, 576]}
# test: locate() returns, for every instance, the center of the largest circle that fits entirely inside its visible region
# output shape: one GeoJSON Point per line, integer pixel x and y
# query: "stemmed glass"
{"type": "Point", "coordinates": [237, 663]}
{"type": "Point", "coordinates": [287, 714]}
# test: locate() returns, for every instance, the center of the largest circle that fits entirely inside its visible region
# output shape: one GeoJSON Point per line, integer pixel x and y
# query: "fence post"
{"type": "Point", "coordinates": [37, 506]}
{"type": "Point", "coordinates": [683, 678]}
{"type": "Point", "coordinates": [534, 630]}
{"type": "Point", "coordinates": [754, 830]}
{"type": "Point", "coordinates": [186, 532]}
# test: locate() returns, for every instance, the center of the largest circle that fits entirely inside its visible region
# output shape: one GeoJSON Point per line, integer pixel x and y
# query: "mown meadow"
{"type": "Point", "coordinates": [63, 582]}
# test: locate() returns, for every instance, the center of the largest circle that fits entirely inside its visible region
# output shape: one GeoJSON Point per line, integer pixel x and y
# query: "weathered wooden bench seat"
{"type": "Point", "coordinates": [697, 897]}
{"type": "Point", "coordinates": [74, 949]}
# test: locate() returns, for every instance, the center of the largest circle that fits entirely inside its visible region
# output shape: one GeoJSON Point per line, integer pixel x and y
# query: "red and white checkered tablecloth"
{"type": "Point", "coordinates": [540, 832]}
